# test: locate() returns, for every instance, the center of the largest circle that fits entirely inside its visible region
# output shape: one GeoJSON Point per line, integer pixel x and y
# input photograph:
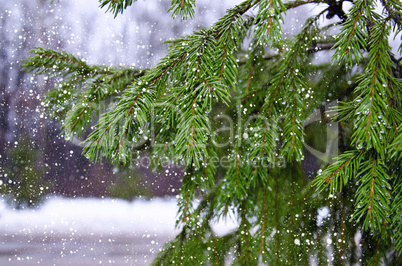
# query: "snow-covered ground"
{"type": "Point", "coordinates": [89, 231]}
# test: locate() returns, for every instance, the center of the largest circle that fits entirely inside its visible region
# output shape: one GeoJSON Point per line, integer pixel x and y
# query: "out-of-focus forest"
{"type": "Point", "coordinates": [35, 159]}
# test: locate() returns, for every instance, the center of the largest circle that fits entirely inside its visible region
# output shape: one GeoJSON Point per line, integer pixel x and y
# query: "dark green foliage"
{"type": "Point", "coordinates": [184, 8]}
{"type": "Point", "coordinates": [82, 91]}
{"type": "Point", "coordinates": [116, 6]}
{"type": "Point", "coordinates": [21, 178]}
{"type": "Point", "coordinates": [208, 89]}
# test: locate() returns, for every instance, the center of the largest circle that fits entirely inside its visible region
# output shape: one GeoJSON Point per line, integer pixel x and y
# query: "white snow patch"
{"type": "Point", "coordinates": [91, 215]}
{"type": "Point", "coordinates": [88, 216]}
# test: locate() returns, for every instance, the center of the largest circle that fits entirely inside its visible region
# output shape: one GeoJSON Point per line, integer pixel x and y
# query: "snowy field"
{"type": "Point", "coordinates": [89, 231]}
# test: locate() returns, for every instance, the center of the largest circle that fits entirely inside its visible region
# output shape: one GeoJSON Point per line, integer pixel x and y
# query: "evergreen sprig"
{"type": "Point", "coordinates": [376, 119]}
{"type": "Point", "coordinates": [268, 29]}
{"type": "Point", "coordinates": [372, 195]}
{"type": "Point", "coordinates": [184, 8]}
{"type": "Point", "coordinates": [120, 129]}
{"type": "Point", "coordinates": [116, 6]}
{"type": "Point", "coordinates": [81, 90]}
{"type": "Point", "coordinates": [353, 37]}
{"type": "Point", "coordinates": [396, 210]}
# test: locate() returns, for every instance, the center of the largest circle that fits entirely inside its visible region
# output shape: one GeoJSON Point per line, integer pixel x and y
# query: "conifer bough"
{"type": "Point", "coordinates": [242, 71]}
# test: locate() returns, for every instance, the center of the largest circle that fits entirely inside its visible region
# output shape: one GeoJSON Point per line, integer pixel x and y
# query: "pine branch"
{"type": "Point", "coordinates": [372, 196]}
{"type": "Point", "coordinates": [340, 172]}
{"type": "Point", "coordinates": [395, 148]}
{"type": "Point", "coordinates": [268, 29]}
{"type": "Point", "coordinates": [392, 6]}
{"type": "Point", "coordinates": [116, 6]}
{"type": "Point", "coordinates": [397, 214]}
{"type": "Point", "coordinates": [123, 126]}
{"type": "Point", "coordinates": [184, 8]}
{"type": "Point", "coordinates": [53, 63]}
{"type": "Point", "coordinates": [229, 32]}
{"type": "Point", "coordinates": [353, 37]}
{"type": "Point", "coordinates": [373, 90]}
{"type": "Point", "coordinates": [76, 99]}
{"type": "Point", "coordinates": [77, 119]}
{"type": "Point", "coordinates": [289, 76]}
